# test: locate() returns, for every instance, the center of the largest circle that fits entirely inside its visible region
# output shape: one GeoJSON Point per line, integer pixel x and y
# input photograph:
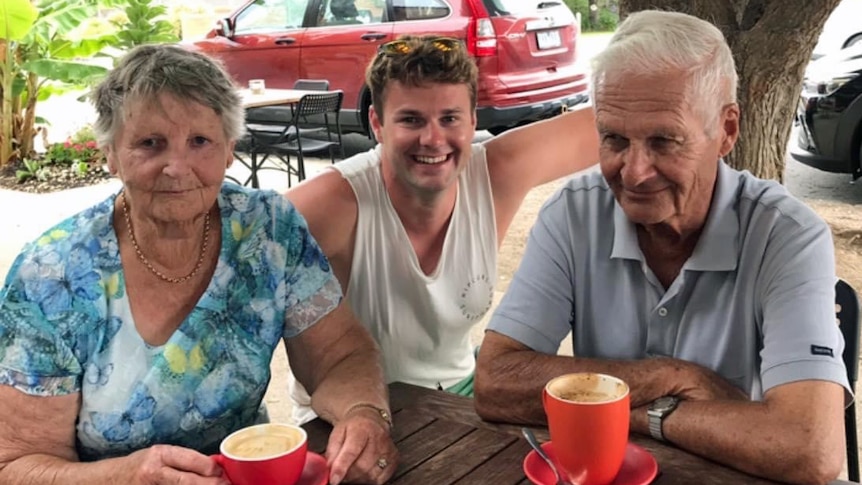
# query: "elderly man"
{"type": "Point", "coordinates": [708, 290]}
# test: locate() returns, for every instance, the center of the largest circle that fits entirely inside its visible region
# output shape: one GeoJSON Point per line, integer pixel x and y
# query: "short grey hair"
{"type": "Point", "coordinates": [655, 42]}
{"type": "Point", "coordinates": [150, 70]}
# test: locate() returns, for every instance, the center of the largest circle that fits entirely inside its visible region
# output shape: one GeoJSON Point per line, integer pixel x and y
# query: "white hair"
{"type": "Point", "coordinates": [658, 42]}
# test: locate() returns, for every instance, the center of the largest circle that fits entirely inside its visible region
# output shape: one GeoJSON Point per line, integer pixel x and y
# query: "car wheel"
{"type": "Point", "coordinates": [853, 40]}
{"type": "Point", "coordinates": [496, 130]}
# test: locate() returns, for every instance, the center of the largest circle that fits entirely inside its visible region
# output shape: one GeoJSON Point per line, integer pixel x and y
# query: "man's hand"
{"type": "Point", "coordinates": [706, 385]}
{"type": "Point", "coordinates": [360, 449]}
{"type": "Point", "coordinates": [163, 465]}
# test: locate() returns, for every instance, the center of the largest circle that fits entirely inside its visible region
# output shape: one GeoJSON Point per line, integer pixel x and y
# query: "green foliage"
{"type": "Point", "coordinates": [56, 52]}
{"type": "Point", "coordinates": [607, 21]}
{"type": "Point", "coordinates": [70, 152]}
{"type": "Point", "coordinates": [17, 18]}
{"type": "Point", "coordinates": [79, 150]}
{"type": "Point", "coordinates": [608, 18]}
{"type": "Point", "coordinates": [145, 24]}
{"type": "Point", "coordinates": [32, 169]}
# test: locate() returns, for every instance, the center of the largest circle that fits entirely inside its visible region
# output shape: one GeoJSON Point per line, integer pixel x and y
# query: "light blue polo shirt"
{"type": "Point", "coordinates": [755, 302]}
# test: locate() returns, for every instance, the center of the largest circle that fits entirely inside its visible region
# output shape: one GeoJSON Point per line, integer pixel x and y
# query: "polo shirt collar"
{"type": "Point", "coordinates": [717, 248]}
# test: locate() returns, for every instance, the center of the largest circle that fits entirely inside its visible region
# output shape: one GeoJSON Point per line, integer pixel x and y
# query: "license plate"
{"type": "Point", "coordinates": [548, 39]}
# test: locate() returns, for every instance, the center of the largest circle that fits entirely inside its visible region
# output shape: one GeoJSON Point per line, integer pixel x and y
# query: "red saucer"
{"type": "Point", "coordinates": [639, 467]}
{"type": "Point", "coordinates": [316, 472]}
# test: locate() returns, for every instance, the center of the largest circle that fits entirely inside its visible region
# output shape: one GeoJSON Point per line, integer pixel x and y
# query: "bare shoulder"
{"type": "Point", "coordinates": [328, 204]}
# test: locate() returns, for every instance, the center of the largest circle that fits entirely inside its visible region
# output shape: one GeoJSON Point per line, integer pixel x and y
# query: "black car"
{"type": "Point", "coordinates": [830, 114]}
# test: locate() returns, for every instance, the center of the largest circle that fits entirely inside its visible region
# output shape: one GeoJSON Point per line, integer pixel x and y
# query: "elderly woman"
{"type": "Point", "coordinates": [137, 334]}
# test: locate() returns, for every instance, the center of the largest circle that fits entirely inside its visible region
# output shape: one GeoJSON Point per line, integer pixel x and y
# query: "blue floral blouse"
{"type": "Point", "coordinates": [66, 327]}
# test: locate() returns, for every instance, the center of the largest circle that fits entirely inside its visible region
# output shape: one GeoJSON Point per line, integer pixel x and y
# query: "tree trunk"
{"type": "Point", "coordinates": [594, 14]}
{"type": "Point", "coordinates": [772, 41]}
{"type": "Point", "coordinates": [28, 126]}
{"type": "Point", "coordinates": [5, 103]}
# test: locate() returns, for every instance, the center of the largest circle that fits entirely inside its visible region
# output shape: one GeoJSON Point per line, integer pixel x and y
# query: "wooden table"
{"type": "Point", "coordinates": [442, 441]}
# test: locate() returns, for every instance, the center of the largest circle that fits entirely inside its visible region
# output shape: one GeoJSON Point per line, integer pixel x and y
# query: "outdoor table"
{"type": "Point", "coordinates": [269, 97]}
{"type": "Point", "coordinates": [443, 441]}
{"type": "Point", "coordinates": [272, 97]}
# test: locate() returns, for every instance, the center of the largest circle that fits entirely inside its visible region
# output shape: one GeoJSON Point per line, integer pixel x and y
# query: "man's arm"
{"type": "Point", "coordinates": [328, 204]}
{"type": "Point", "coordinates": [510, 377]}
{"type": "Point", "coordinates": [796, 434]}
{"type": "Point", "coordinates": [339, 363]}
{"type": "Point", "coordinates": [534, 154]}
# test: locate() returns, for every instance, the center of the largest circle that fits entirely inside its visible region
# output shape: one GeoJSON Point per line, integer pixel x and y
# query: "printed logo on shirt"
{"type": "Point", "coordinates": [820, 350]}
{"type": "Point", "coordinates": [476, 297]}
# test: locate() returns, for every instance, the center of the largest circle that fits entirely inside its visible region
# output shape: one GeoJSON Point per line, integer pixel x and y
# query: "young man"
{"type": "Point", "coordinates": [706, 289]}
{"type": "Point", "coordinates": [412, 227]}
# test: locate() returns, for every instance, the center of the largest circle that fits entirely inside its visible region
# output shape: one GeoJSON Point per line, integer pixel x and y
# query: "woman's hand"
{"type": "Point", "coordinates": [360, 449]}
{"type": "Point", "coordinates": [169, 465]}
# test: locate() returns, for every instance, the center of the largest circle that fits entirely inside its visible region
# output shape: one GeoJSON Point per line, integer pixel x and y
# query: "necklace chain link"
{"type": "Point", "coordinates": [147, 263]}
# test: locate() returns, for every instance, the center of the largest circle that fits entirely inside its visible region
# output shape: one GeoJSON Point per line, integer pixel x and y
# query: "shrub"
{"type": "Point", "coordinates": [608, 17]}
{"type": "Point", "coordinates": [607, 21]}
{"type": "Point", "coordinates": [79, 149]}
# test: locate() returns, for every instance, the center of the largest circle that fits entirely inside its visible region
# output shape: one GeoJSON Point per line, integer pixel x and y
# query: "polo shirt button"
{"type": "Point", "coordinates": [662, 312]}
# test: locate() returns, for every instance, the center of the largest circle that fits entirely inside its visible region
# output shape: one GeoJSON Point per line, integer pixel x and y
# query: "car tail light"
{"type": "Point", "coordinates": [481, 37]}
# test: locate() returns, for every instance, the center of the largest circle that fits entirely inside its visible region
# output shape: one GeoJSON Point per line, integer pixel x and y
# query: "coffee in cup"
{"type": "Point", "coordinates": [265, 454]}
{"type": "Point", "coordinates": [588, 419]}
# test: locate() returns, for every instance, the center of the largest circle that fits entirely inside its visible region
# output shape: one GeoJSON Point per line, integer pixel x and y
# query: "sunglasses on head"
{"type": "Point", "coordinates": [403, 47]}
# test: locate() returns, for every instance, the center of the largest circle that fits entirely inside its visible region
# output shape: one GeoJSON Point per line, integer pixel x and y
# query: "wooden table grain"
{"type": "Point", "coordinates": [443, 441]}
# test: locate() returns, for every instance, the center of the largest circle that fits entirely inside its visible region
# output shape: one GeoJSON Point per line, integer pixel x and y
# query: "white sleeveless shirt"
{"type": "Point", "coordinates": [421, 322]}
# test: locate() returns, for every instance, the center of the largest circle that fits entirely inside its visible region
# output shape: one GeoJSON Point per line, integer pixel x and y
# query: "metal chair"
{"type": "Point", "coordinates": [268, 122]}
{"type": "Point", "coordinates": [266, 126]}
{"type": "Point", "coordinates": [294, 138]}
{"type": "Point", "coordinates": [847, 313]}
{"type": "Point", "coordinates": [311, 84]}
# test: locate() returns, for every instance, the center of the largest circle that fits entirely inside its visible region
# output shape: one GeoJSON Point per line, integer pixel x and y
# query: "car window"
{"type": "Point", "coordinates": [419, 9]}
{"type": "Point", "coordinates": [513, 7]}
{"type": "Point", "coordinates": [350, 12]}
{"type": "Point", "coordinates": [271, 15]}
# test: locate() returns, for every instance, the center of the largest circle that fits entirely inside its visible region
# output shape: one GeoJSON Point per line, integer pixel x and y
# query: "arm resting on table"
{"type": "Point", "coordinates": [796, 434]}
{"type": "Point", "coordinates": [510, 377]}
{"type": "Point", "coordinates": [339, 363]}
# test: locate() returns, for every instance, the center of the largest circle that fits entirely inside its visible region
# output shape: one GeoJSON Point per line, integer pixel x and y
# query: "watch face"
{"type": "Point", "coordinates": [663, 404]}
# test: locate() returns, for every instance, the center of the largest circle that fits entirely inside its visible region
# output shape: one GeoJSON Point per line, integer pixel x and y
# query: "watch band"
{"type": "Point", "coordinates": [655, 420]}
{"type": "Point", "coordinates": [660, 409]}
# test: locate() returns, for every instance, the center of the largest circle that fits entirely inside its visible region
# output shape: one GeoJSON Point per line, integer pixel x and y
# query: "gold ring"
{"type": "Point", "coordinates": [382, 463]}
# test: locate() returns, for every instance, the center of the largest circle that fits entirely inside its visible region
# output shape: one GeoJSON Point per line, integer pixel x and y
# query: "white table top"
{"type": "Point", "coordinates": [272, 97]}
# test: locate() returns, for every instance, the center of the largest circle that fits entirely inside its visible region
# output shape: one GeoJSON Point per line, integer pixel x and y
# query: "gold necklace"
{"type": "Point", "coordinates": [147, 262]}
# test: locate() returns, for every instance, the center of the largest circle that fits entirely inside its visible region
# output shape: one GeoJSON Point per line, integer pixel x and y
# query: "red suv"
{"type": "Point", "coordinates": [525, 50]}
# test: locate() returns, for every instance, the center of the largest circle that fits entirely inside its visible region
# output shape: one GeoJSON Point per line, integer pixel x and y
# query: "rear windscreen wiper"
{"type": "Point", "coordinates": [548, 4]}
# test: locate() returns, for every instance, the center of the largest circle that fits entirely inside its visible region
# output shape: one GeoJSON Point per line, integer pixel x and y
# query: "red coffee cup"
{"type": "Point", "coordinates": [588, 418]}
{"type": "Point", "coordinates": [265, 454]}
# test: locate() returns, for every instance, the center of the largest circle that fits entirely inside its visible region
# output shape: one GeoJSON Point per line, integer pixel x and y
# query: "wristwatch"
{"type": "Point", "coordinates": [657, 411]}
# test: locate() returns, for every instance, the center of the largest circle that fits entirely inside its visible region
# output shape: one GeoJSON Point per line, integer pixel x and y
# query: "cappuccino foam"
{"type": "Point", "coordinates": [261, 445]}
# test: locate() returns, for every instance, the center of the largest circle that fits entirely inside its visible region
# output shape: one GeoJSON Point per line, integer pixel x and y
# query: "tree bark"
{"type": "Point", "coordinates": [771, 41]}
{"type": "Point", "coordinates": [594, 14]}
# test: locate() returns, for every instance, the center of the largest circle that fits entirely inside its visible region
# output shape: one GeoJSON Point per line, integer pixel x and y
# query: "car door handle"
{"type": "Point", "coordinates": [373, 36]}
{"type": "Point", "coordinates": [285, 41]}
